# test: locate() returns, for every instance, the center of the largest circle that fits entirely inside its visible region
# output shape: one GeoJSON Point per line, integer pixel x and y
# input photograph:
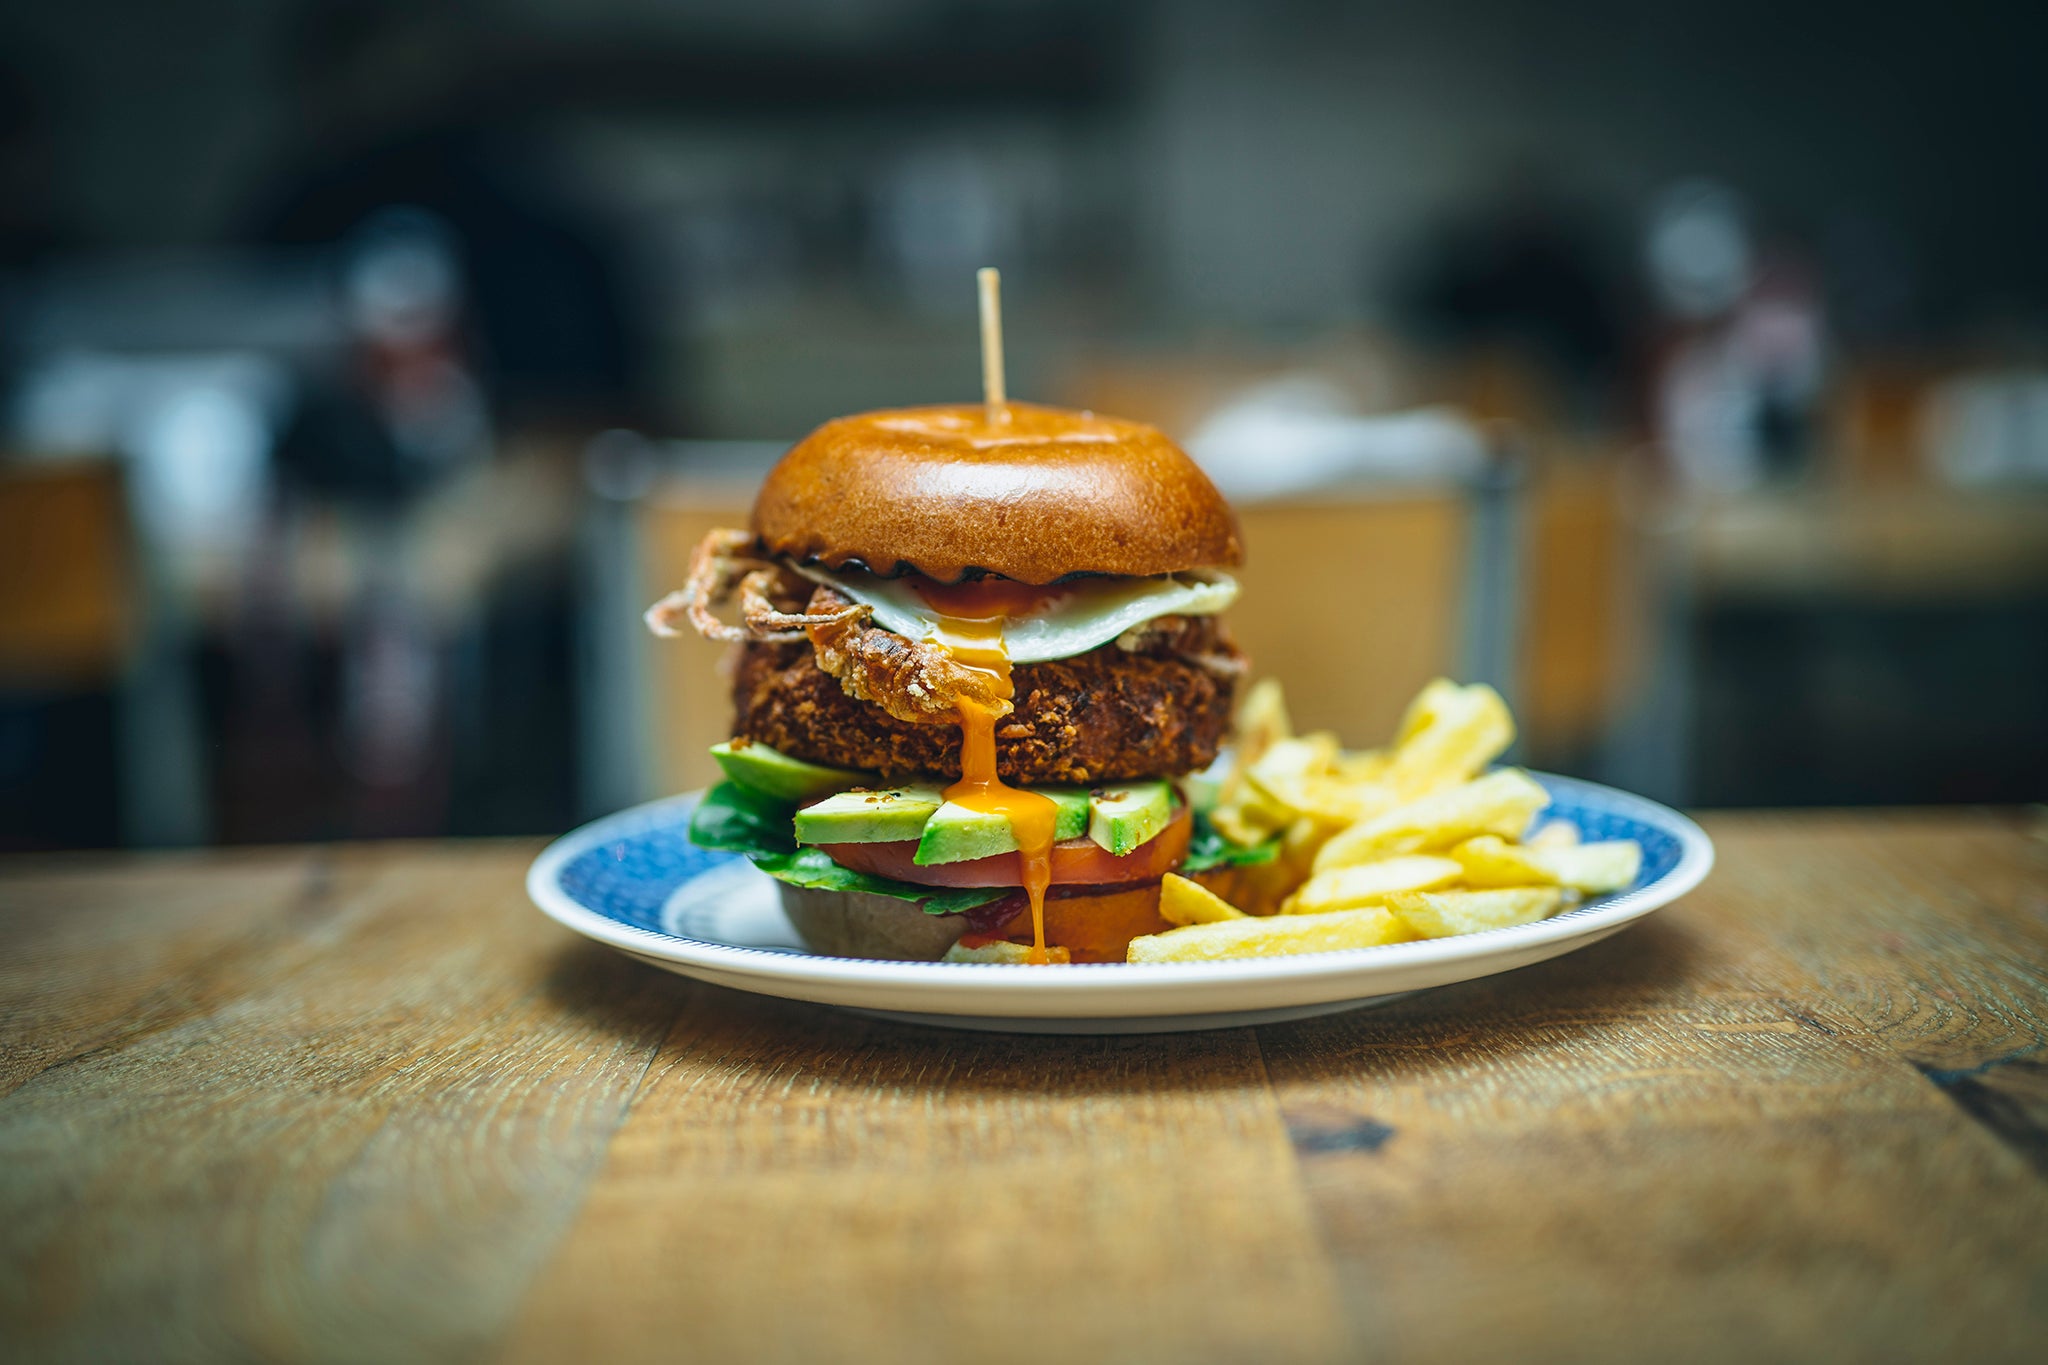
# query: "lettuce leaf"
{"type": "Point", "coordinates": [810, 867]}
{"type": "Point", "coordinates": [738, 819]}
{"type": "Point", "coordinates": [1208, 848]}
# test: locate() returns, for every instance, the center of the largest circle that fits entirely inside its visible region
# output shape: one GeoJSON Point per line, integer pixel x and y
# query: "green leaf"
{"type": "Point", "coordinates": [811, 867]}
{"type": "Point", "coordinates": [1208, 848]}
{"type": "Point", "coordinates": [741, 820]}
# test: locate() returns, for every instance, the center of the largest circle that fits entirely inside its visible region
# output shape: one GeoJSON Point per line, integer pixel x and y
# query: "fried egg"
{"type": "Point", "coordinates": [1087, 613]}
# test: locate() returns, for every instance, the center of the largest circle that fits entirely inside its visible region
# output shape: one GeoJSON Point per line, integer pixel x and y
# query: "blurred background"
{"type": "Point", "coordinates": [1681, 368]}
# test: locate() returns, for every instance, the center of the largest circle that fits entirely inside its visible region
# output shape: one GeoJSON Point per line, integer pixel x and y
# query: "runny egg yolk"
{"type": "Point", "coordinates": [971, 619]}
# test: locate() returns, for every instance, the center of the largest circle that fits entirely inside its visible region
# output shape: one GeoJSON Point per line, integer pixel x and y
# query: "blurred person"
{"type": "Point", "coordinates": [405, 414]}
{"type": "Point", "coordinates": [1740, 360]}
{"type": "Point", "coordinates": [392, 114]}
{"type": "Point", "coordinates": [481, 303]}
{"type": "Point", "coordinates": [1522, 268]}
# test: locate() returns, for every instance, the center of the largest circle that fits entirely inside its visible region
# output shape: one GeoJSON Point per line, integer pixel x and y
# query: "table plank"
{"type": "Point", "coordinates": [356, 1141]}
{"type": "Point", "coordinates": [797, 1184]}
{"type": "Point", "coordinates": [1948, 958]}
{"type": "Point", "coordinates": [75, 978]}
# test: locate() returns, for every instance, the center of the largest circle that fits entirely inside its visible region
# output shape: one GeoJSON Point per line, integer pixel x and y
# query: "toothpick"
{"type": "Point", "coordinates": [991, 281]}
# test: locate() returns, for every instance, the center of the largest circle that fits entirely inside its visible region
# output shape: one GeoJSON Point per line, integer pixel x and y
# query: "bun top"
{"type": "Point", "coordinates": [947, 492]}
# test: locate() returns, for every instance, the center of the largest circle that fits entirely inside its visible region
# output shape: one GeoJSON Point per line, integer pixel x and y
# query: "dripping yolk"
{"type": "Point", "coordinates": [971, 622]}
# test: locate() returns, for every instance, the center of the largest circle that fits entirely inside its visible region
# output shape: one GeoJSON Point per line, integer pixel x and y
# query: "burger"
{"type": "Point", "coordinates": [979, 657]}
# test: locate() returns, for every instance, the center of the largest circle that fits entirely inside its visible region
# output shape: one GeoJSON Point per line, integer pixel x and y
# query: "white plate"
{"type": "Point", "coordinates": [635, 881]}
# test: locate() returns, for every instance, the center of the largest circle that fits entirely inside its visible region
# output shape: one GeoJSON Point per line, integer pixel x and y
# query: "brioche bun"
{"type": "Point", "coordinates": [947, 493]}
{"type": "Point", "coordinates": [860, 924]}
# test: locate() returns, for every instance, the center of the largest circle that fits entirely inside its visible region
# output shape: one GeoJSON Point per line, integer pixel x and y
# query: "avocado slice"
{"type": "Point", "coordinates": [954, 833]}
{"type": "Point", "coordinates": [1121, 818]}
{"type": "Point", "coordinates": [774, 773]}
{"type": "Point", "coordinates": [883, 816]}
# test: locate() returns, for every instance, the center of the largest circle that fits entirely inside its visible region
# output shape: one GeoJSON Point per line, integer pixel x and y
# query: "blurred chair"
{"type": "Point", "coordinates": [1353, 603]}
{"type": "Point", "coordinates": [688, 695]}
{"type": "Point", "coordinates": [67, 605]}
{"type": "Point", "coordinates": [66, 582]}
{"type": "Point", "coordinates": [83, 614]}
{"type": "Point", "coordinates": [652, 708]}
{"type": "Point", "coordinates": [1585, 593]}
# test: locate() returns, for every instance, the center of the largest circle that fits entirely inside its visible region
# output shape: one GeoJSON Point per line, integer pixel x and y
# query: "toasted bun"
{"type": "Point", "coordinates": [1093, 923]}
{"type": "Point", "coordinates": [860, 924]}
{"type": "Point", "coordinates": [946, 492]}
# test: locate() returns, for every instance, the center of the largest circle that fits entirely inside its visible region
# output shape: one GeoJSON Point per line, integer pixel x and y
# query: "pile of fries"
{"type": "Point", "coordinates": [1416, 840]}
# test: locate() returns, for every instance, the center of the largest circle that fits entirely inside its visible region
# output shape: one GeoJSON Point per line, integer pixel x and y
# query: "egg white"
{"type": "Point", "coordinates": [1093, 613]}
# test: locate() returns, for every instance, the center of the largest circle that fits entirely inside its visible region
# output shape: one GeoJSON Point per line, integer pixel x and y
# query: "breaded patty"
{"type": "Point", "coordinates": [1109, 715]}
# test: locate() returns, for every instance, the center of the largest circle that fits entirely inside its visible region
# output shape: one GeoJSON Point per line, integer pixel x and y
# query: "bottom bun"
{"type": "Point", "coordinates": [1095, 924]}
{"type": "Point", "coordinates": [860, 924]}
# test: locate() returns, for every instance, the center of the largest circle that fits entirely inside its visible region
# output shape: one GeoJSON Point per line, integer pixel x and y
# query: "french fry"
{"type": "Point", "coordinates": [1443, 914]}
{"type": "Point", "coordinates": [1339, 801]}
{"type": "Point", "coordinates": [1268, 796]}
{"type": "Point", "coordinates": [1249, 817]}
{"type": "Point", "coordinates": [1363, 765]}
{"type": "Point", "coordinates": [1279, 936]}
{"type": "Point", "coordinates": [1286, 762]}
{"type": "Point", "coordinates": [1347, 888]}
{"type": "Point", "coordinates": [1490, 860]}
{"type": "Point", "coordinates": [1261, 721]}
{"type": "Point", "coordinates": [1004, 953]}
{"type": "Point", "coordinates": [1243, 815]}
{"type": "Point", "coordinates": [1258, 888]}
{"type": "Point", "coordinates": [1449, 736]}
{"type": "Point", "coordinates": [1419, 828]}
{"type": "Point", "coordinates": [1424, 709]}
{"type": "Point", "coordinates": [1500, 803]}
{"type": "Point", "coordinates": [1184, 902]}
{"type": "Point", "coordinates": [1589, 868]}
{"type": "Point", "coordinates": [1597, 868]}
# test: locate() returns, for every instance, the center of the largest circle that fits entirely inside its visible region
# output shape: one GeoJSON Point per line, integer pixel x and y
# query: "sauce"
{"type": "Point", "coordinates": [971, 630]}
{"type": "Point", "coordinates": [1001, 598]}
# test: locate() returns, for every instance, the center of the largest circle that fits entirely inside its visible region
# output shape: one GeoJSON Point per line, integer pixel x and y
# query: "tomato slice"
{"type": "Point", "coordinates": [1075, 862]}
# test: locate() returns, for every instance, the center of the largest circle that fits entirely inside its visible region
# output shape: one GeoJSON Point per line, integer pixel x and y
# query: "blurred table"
{"type": "Point", "coordinates": [1914, 544]}
{"type": "Point", "coordinates": [365, 1103]}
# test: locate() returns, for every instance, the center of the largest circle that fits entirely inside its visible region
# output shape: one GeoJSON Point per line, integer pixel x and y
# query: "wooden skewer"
{"type": "Point", "coordinates": [992, 392]}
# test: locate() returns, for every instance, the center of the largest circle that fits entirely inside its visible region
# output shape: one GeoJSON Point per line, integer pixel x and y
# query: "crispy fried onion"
{"type": "Point", "coordinates": [916, 681]}
{"type": "Point", "coordinates": [724, 560]}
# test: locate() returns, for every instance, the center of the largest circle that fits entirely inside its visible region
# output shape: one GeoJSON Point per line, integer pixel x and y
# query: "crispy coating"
{"type": "Point", "coordinates": [913, 680]}
{"type": "Point", "coordinates": [1110, 715]}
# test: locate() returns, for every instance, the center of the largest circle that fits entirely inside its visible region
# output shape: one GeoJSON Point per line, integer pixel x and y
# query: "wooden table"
{"type": "Point", "coordinates": [366, 1104]}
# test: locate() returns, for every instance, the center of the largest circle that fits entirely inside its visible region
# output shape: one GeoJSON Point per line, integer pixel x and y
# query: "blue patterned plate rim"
{"type": "Point", "coordinates": [1677, 855]}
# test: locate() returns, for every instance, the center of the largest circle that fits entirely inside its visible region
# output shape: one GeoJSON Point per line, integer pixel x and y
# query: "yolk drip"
{"type": "Point", "coordinates": [977, 642]}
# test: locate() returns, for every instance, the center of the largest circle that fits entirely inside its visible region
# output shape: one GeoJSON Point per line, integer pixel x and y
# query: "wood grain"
{"type": "Point", "coordinates": [364, 1103]}
{"type": "Point", "coordinates": [1669, 1143]}
{"type": "Point", "coordinates": [353, 1140]}
{"type": "Point", "coordinates": [1949, 964]}
{"type": "Point", "coordinates": [797, 1186]}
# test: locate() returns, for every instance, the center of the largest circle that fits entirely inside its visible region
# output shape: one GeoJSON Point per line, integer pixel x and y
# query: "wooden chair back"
{"type": "Point", "coordinates": [66, 584]}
